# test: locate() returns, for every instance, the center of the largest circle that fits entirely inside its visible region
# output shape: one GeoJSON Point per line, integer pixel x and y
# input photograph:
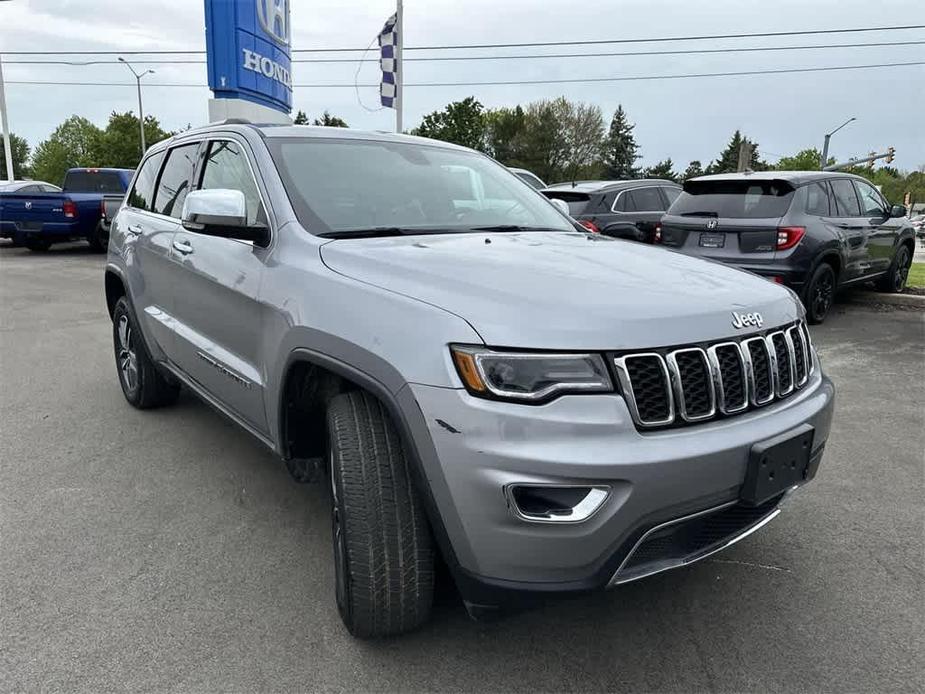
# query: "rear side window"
{"type": "Point", "coordinates": [845, 200]}
{"type": "Point", "coordinates": [644, 200]}
{"type": "Point", "coordinates": [175, 179]}
{"type": "Point", "coordinates": [671, 194]}
{"type": "Point", "coordinates": [90, 181]}
{"type": "Point", "coordinates": [734, 199]}
{"type": "Point", "coordinates": [817, 200]}
{"type": "Point", "coordinates": [577, 202]}
{"type": "Point", "coordinates": [142, 195]}
{"type": "Point", "coordinates": [227, 167]}
{"type": "Point", "coordinates": [872, 204]}
{"type": "Point", "coordinates": [530, 179]}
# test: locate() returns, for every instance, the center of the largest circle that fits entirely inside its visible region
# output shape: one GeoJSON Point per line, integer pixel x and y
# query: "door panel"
{"type": "Point", "coordinates": [851, 228]}
{"type": "Point", "coordinates": [882, 231]}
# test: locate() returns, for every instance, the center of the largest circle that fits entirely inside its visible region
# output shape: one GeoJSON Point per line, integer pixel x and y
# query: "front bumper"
{"type": "Point", "coordinates": [483, 446]}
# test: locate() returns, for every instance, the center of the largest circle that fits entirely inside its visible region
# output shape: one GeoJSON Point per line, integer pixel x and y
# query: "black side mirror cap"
{"type": "Point", "coordinates": [898, 211]}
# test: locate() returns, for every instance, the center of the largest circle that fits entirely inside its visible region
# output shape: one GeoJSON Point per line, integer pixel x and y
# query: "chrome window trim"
{"type": "Point", "coordinates": [675, 371]}
{"type": "Point", "coordinates": [772, 365]}
{"type": "Point", "coordinates": [778, 388]}
{"type": "Point", "coordinates": [720, 388]}
{"type": "Point", "coordinates": [626, 387]}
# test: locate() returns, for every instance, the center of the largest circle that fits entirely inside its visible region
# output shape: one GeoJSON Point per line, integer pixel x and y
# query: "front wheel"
{"type": "Point", "coordinates": [820, 293]}
{"type": "Point", "coordinates": [895, 279]}
{"type": "Point", "coordinates": [383, 551]}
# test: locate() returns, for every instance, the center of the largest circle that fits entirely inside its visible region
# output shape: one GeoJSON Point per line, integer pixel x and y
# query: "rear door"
{"type": "Point", "coordinates": [882, 230]}
{"type": "Point", "coordinates": [218, 312]}
{"type": "Point", "coordinates": [731, 220]}
{"type": "Point", "coordinates": [852, 227]}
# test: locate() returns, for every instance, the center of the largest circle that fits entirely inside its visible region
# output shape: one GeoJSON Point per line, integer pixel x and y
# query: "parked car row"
{"type": "Point", "coordinates": [37, 214]}
{"type": "Point", "coordinates": [815, 232]}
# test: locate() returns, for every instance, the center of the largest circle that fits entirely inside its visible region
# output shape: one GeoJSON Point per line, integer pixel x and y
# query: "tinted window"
{"type": "Point", "coordinates": [577, 202]}
{"type": "Point", "coordinates": [93, 182]}
{"type": "Point", "coordinates": [46, 188]}
{"type": "Point", "coordinates": [644, 200]}
{"type": "Point", "coordinates": [845, 199]}
{"type": "Point", "coordinates": [619, 204]}
{"type": "Point", "coordinates": [28, 190]}
{"type": "Point", "coordinates": [672, 194]}
{"type": "Point", "coordinates": [817, 199]}
{"type": "Point", "coordinates": [227, 167]}
{"type": "Point", "coordinates": [734, 199]}
{"type": "Point", "coordinates": [142, 195]}
{"type": "Point", "coordinates": [871, 203]}
{"type": "Point", "coordinates": [352, 185]}
{"type": "Point", "coordinates": [530, 179]}
{"type": "Point", "coordinates": [174, 182]}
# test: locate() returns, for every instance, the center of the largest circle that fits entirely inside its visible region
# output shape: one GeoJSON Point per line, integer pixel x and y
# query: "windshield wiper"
{"type": "Point", "coordinates": [699, 213]}
{"type": "Point", "coordinates": [513, 227]}
{"type": "Point", "coordinates": [371, 232]}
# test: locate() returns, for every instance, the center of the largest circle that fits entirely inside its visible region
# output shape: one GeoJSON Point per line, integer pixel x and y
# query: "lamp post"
{"type": "Point", "coordinates": [141, 113]}
{"type": "Point", "coordinates": [825, 147]}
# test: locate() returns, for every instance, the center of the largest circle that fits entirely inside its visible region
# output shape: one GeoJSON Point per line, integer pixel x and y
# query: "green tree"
{"type": "Point", "coordinates": [728, 161]}
{"type": "Point", "coordinates": [582, 131]}
{"type": "Point", "coordinates": [120, 142]}
{"type": "Point", "coordinates": [76, 142]}
{"type": "Point", "coordinates": [620, 151]}
{"type": "Point", "coordinates": [461, 122]}
{"type": "Point", "coordinates": [804, 160]}
{"type": "Point", "coordinates": [504, 135]}
{"type": "Point", "coordinates": [19, 150]}
{"type": "Point", "coordinates": [300, 118]}
{"type": "Point", "coordinates": [330, 121]}
{"type": "Point", "coordinates": [544, 150]}
{"type": "Point", "coordinates": [694, 169]}
{"type": "Point", "coordinates": [663, 169]}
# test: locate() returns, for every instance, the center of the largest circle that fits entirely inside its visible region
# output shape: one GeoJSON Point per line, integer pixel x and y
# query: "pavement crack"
{"type": "Point", "coordinates": [767, 567]}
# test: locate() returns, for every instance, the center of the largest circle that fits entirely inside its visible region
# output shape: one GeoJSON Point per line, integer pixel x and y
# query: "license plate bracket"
{"type": "Point", "coordinates": [778, 464]}
{"type": "Point", "coordinates": [713, 240]}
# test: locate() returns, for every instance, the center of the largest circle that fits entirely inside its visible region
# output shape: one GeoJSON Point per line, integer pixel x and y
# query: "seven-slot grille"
{"type": "Point", "coordinates": [693, 384]}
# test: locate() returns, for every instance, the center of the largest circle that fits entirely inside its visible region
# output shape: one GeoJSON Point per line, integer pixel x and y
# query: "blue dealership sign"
{"type": "Point", "coordinates": [248, 49]}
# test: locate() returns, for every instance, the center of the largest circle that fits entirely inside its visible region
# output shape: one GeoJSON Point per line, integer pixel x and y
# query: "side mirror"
{"type": "Point", "coordinates": [898, 211]}
{"type": "Point", "coordinates": [221, 212]}
{"type": "Point", "coordinates": [560, 205]}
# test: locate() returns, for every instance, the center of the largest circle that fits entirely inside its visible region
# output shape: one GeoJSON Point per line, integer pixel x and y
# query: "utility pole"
{"type": "Point", "coordinates": [7, 145]}
{"type": "Point", "coordinates": [887, 156]}
{"type": "Point", "coordinates": [141, 113]}
{"type": "Point", "coordinates": [400, 71]}
{"type": "Point", "coordinates": [824, 159]}
{"type": "Point", "coordinates": [745, 156]}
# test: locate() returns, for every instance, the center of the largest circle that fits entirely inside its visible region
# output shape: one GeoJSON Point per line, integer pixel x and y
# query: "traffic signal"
{"type": "Point", "coordinates": [870, 163]}
{"type": "Point", "coordinates": [890, 153]}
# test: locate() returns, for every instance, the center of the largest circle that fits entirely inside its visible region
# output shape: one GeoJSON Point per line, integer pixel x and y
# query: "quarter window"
{"type": "Point", "coordinates": [817, 200]}
{"type": "Point", "coordinates": [644, 200]}
{"type": "Point", "coordinates": [175, 180]}
{"type": "Point", "coordinates": [227, 167]}
{"type": "Point", "coordinates": [671, 194]}
{"type": "Point", "coordinates": [845, 199]}
{"type": "Point", "coordinates": [142, 195]}
{"type": "Point", "coordinates": [871, 202]}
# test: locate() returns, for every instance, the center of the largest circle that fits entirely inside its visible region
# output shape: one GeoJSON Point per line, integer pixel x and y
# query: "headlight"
{"type": "Point", "coordinates": [529, 377]}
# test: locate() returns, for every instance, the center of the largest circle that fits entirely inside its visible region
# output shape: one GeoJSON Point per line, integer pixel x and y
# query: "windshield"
{"type": "Point", "coordinates": [360, 185]}
{"type": "Point", "coordinates": [733, 199]}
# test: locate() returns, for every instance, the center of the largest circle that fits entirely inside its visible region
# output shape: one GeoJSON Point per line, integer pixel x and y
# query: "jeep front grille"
{"type": "Point", "coordinates": [697, 383]}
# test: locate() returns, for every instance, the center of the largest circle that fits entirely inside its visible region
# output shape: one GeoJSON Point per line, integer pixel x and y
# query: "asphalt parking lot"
{"type": "Point", "coordinates": [169, 551]}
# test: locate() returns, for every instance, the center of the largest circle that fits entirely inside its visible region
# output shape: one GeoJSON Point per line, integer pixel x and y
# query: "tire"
{"type": "Point", "coordinates": [383, 551]}
{"type": "Point", "coordinates": [37, 245]}
{"type": "Point", "coordinates": [143, 386]}
{"type": "Point", "coordinates": [894, 281]}
{"type": "Point", "coordinates": [99, 239]}
{"type": "Point", "coordinates": [820, 293]}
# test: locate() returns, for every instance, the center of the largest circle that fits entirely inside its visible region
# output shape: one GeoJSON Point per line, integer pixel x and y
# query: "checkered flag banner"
{"type": "Point", "coordinates": [388, 39]}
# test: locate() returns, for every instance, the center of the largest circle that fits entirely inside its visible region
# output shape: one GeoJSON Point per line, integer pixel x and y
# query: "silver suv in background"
{"type": "Point", "coordinates": [548, 410]}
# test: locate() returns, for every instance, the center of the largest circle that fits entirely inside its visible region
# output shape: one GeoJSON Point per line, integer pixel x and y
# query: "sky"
{"type": "Point", "coordinates": [684, 119]}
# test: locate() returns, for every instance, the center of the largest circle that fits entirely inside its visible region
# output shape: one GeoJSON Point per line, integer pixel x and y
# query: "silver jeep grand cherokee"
{"type": "Point", "coordinates": [478, 379]}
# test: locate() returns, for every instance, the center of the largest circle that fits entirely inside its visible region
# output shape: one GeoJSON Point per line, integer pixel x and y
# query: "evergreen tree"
{"type": "Point", "coordinates": [330, 121]}
{"type": "Point", "coordinates": [728, 161]}
{"type": "Point", "coordinates": [663, 170]}
{"type": "Point", "coordinates": [300, 118]}
{"type": "Point", "coordinates": [694, 169]}
{"type": "Point", "coordinates": [620, 151]}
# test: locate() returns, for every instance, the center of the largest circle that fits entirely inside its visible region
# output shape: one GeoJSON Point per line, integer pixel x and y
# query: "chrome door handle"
{"type": "Point", "coordinates": [183, 247]}
{"type": "Point", "coordinates": [134, 229]}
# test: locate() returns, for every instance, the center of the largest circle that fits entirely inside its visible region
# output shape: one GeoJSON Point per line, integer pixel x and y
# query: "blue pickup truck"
{"type": "Point", "coordinates": [37, 220]}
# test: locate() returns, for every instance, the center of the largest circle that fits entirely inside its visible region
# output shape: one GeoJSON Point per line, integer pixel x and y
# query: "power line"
{"type": "Point", "coordinates": [352, 61]}
{"type": "Point", "coordinates": [593, 42]}
{"type": "Point", "coordinates": [633, 78]}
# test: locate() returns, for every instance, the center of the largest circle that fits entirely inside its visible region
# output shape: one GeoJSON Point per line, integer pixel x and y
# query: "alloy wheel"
{"type": "Point", "coordinates": [822, 295]}
{"type": "Point", "coordinates": [128, 357]}
{"type": "Point", "coordinates": [903, 262]}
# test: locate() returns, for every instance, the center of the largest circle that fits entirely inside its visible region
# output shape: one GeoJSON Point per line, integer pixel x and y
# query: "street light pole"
{"type": "Point", "coordinates": [141, 113]}
{"type": "Point", "coordinates": [7, 144]}
{"type": "Point", "coordinates": [824, 159]}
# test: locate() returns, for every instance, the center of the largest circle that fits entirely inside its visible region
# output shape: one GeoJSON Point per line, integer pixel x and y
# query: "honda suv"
{"type": "Point", "coordinates": [622, 209]}
{"type": "Point", "coordinates": [544, 410]}
{"type": "Point", "coordinates": [812, 231]}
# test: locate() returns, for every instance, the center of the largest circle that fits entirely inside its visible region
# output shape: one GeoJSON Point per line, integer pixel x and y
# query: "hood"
{"type": "Point", "coordinates": [566, 291]}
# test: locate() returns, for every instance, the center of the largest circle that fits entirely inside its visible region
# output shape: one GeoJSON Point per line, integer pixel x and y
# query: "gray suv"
{"type": "Point", "coordinates": [544, 410]}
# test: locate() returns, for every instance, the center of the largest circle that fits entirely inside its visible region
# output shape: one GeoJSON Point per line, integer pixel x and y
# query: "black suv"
{"type": "Point", "coordinates": [623, 209]}
{"type": "Point", "coordinates": [813, 231]}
